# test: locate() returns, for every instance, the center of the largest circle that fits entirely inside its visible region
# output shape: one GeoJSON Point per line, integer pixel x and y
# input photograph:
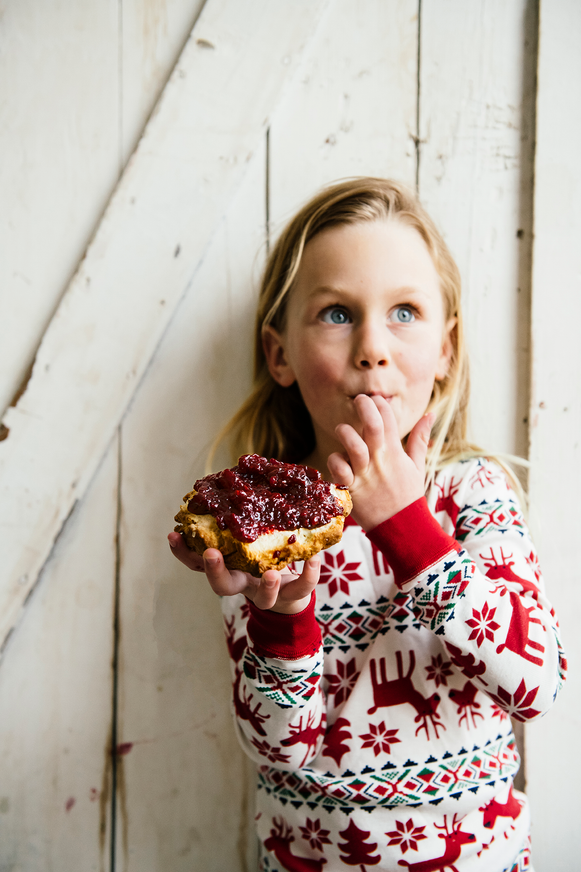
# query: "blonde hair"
{"type": "Point", "coordinates": [274, 420]}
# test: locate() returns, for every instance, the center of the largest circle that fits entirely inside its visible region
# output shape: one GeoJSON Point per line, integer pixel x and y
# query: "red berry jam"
{"type": "Point", "coordinates": [261, 495]}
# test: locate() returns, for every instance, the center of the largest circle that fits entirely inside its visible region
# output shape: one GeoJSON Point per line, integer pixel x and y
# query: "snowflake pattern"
{"type": "Point", "coordinates": [315, 835]}
{"type": "Point", "coordinates": [518, 705]}
{"type": "Point", "coordinates": [272, 753]}
{"type": "Point", "coordinates": [533, 562]}
{"type": "Point", "coordinates": [483, 624]}
{"type": "Point", "coordinates": [341, 683]}
{"type": "Point", "coordinates": [337, 573]}
{"type": "Point", "coordinates": [379, 738]}
{"type": "Point", "coordinates": [439, 670]}
{"type": "Point", "coordinates": [406, 835]}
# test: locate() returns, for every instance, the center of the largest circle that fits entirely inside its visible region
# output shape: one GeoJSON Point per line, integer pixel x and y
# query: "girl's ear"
{"type": "Point", "coordinates": [274, 351]}
{"type": "Point", "coordinates": [447, 350]}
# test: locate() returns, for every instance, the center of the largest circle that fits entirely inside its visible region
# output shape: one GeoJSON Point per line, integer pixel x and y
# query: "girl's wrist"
{"type": "Point", "coordinates": [291, 608]}
{"type": "Point", "coordinates": [370, 517]}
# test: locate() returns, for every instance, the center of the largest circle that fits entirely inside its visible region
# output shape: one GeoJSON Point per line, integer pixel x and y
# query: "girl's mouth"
{"type": "Point", "coordinates": [388, 397]}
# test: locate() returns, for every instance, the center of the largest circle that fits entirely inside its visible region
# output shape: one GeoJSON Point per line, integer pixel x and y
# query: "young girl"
{"type": "Point", "coordinates": [373, 687]}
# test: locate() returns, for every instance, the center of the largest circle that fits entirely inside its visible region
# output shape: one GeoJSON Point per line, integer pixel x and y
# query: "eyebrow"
{"type": "Point", "coordinates": [321, 290]}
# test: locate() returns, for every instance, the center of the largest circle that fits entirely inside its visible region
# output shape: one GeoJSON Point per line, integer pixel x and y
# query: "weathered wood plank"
{"type": "Point", "coordinates": [60, 159]}
{"type": "Point", "coordinates": [55, 700]}
{"type": "Point", "coordinates": [553, 768]}
{"type": "Point", "coordinates": [185, 780]}
{"type": "Point", "coordinates": [152, 37]}
{"type": "Point", "coordinates": [475, 178]}
{"type": "Point", "coordinates": [152, 237]}
{"type": "Point", "coordinates": [352, 108]}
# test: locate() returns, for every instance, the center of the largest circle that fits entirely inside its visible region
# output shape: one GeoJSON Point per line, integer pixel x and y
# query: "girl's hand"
{"type": "Point", "coordinates": [382, 477]}
{"type": "Point", "coordinates": [284, 592]}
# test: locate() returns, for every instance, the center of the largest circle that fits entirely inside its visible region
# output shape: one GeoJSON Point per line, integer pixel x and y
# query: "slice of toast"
{"type": "Point", "coordinates": [273, 550]}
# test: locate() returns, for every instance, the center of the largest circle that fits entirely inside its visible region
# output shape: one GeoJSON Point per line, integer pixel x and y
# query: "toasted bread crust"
{"type": "Point", "coordinates": [270, 550]}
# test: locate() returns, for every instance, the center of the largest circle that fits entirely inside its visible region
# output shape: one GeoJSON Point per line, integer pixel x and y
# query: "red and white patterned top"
{"type": "Point", "coordinates": [379, 716]}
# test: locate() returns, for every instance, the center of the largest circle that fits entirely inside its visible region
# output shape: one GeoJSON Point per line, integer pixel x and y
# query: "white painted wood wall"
{"type": "Point", "coordinates": [119, 644]}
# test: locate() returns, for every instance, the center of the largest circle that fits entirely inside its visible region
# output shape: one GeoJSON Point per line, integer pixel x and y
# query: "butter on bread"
{"type": "Point", "coordinates": [273, 550]}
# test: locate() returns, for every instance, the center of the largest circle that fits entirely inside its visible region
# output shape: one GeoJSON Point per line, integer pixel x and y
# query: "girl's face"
{"type": "Point", "coordinates": [366, 316]}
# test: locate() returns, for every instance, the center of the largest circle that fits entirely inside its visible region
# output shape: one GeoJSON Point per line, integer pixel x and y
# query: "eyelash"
{"type": "Point", "coordinates": [330, 309]}
{"type": "Point", "coordinates": [409, 309]}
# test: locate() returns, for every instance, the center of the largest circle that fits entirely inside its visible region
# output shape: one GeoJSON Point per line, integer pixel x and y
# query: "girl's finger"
{"type": "Point", "coordinates": [372, 421]}
{"type": "Point", "coordinates": [418, 440]}
{"type": "Point", "coordinates": [180, 550]}
{"type": "Point", "coordinates": [222, 581]}
{"type": "Point", "coordinates": [392, 441]}
{"type": "Point", "coordinates": [308, 579]}
{"type": "Point", "coordinates": [340, 469]}
{"type": "Point", "coordinates": [355, 447]}
{"type": "Point", "coordinates": [294, 595]}
{"type": "Point", "coordinates": [266, 594]}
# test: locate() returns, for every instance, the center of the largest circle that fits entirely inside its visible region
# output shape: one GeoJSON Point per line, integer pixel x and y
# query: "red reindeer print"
{"type": "Point", "coordinates": [454, 840]}
{"type": "Point", "coordinates": [235, 647]}
{"type": "Point", "coordinates": [467, 663]}
{"type": "Point", "coordinates": [281, 836]}
{"type": "Point", "coordinates": [244, 710]}
{"type": "Point", "coordinates": [465, 700]}
{"type": "Point", "coordinates": [307, 735]}
{"type": "Point", "coordinates": [401, 690]}
{"type": "Point", "coordinates": [483, 476]}
{"type": "Point", "coordinates": [517, 638]}
{"type": "Point", "coordinates": [493, 810]}
{"type": "Point", "coordinates": [502, 569]}
{"type": "Point", "coordinates": [335, 741]}
{"type": "Point", "coordinates": [445, 502]}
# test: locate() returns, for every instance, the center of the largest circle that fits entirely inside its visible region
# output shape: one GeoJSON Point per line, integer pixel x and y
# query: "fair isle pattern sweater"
{"type": "Point", "coordinates": [379, 716]}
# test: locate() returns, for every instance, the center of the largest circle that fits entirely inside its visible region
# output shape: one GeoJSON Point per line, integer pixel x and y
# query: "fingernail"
{"type": "Point", "coordinates": [211, 560]}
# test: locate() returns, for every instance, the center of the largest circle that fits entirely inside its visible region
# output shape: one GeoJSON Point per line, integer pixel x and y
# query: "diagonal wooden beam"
{"type": "Point", "coordinates": [177, 185]}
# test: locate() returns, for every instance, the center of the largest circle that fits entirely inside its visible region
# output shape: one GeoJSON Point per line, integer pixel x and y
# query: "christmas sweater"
{"type": "Point", "coordinates": [379, 717]}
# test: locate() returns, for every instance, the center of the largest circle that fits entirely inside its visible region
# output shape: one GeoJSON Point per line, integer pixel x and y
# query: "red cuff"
{"type": "Point", "coordinates": [286, 637]}
{"type": "Point", "coordinates": [412, 541]}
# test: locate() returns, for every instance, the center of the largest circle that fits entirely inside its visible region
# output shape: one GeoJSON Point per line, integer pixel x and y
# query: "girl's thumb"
{"type": "Point", "coordinates": [418, 440]}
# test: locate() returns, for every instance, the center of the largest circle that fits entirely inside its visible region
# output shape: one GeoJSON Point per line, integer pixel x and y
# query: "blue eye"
{"type": "Point", "coordinates": [403, 315]}
{"type": "Point", "coordinates": [335, 315]}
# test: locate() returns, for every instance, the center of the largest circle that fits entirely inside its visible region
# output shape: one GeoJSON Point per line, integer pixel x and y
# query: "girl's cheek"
{"type": "Point", "coordinates": [318, 365]}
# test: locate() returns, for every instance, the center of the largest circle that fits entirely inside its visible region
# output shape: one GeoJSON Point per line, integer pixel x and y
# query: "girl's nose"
{"type": "Point", "coordinates": [367, 364]}
{"type": "Point", "coordinates": [371, 349]}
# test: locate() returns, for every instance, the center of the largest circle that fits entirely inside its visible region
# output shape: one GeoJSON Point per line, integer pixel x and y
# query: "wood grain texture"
{"type": "Point", "coordinates": [60, 159]}
{"type": "Point", "coordinates": [555, 450]}
{"type": "Point", "coordinates": [475, 179]}
{"type": "Point", "coordinates": [192, 156]}
{"type": "Point", "coordinates": [152, 35]}
{"type": "Point", "coordinates": [55, 700]}
{"type": "Point", "coordinates": [187, 788]}
{"type": "Point", "coordinates": [352, 108]}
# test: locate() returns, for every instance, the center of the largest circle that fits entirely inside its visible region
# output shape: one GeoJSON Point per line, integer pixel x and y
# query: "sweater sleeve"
{"type": "Point", "coordinates": [278, 703]}
{"type": "Point", "coordinates": [480, 590]}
